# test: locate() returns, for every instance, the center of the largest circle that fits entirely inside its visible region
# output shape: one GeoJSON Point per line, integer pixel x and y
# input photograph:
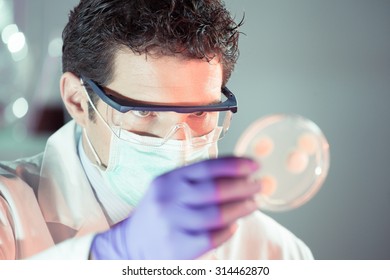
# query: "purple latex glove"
{"type": "Point", "coordinates": [185, 212]}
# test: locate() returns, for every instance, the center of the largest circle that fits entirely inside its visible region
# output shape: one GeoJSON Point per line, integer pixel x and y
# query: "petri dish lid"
{"type": "Point", "coordinates": [294, 157]}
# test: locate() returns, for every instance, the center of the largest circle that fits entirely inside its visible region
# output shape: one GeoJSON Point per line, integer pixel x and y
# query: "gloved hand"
{"type": "Point", "coordinates": [184, 213]}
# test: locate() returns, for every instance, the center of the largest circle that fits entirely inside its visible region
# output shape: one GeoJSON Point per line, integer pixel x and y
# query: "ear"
{"type": "Point", "coordinates": [74, 98]}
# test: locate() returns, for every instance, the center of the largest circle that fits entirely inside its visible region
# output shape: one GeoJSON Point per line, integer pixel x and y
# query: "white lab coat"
{"type": "Point", "coordinates": [48, 210]}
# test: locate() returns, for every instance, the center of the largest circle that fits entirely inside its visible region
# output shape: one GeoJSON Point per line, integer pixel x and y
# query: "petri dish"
{"type": "Point", "coordinates": [294, 157]}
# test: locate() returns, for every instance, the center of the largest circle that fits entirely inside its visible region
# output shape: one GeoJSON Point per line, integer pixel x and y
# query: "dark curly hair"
{"type": "Point", "coordinates": [194, 29]}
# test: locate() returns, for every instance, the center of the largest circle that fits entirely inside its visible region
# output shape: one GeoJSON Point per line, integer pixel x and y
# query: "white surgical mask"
{"type": "Point", "coordinates": [132, 167]}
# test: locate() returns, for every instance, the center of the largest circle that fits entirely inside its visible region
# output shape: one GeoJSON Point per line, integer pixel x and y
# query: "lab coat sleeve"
{"type": "Point", "coordinates": [7, 240]}
{"type": "Point", "coordinates": [72, 249]}
{"type": "Point", "coordinates": [23, 231]}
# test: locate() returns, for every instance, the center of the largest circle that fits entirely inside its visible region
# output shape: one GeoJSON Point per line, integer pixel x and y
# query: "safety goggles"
{"type": "Point", "coordinates": [190, 123]}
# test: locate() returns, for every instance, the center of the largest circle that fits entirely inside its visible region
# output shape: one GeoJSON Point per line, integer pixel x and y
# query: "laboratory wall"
{"type": "Point", "coordinates": [328, 61]}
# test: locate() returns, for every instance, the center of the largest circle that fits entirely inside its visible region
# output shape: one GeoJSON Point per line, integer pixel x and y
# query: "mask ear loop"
{"type": "Point", "coordinates": [98, 160]}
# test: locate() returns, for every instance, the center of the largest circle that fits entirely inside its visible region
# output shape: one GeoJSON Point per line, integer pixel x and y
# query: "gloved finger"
{"type": "Point", "coordinates": [210, 217]}
{"type": "Point", "coordinates": [204, 241]}
{"type": "Point", "coordinates": [220, 167]}
{"type": "Point", "coordinates": [232, 211]}
{"type": "Point", "coordinates": [220, 236]}
{"type": "Point", "coordinates": [197, 243]}
{"type": "Point", "coordinates": [185, 181]}
{"type": "Point", "coordinates": [217, 190]}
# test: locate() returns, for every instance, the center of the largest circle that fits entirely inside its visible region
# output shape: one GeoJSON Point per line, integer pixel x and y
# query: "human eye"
{"type": "Point", "coordinates": [199, 114]}
{"type": "Point", "coordinates": [142, 114]}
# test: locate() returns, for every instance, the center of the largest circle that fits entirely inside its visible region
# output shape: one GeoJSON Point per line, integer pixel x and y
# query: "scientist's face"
{"type": "Point", "coordinates": [155, 81]}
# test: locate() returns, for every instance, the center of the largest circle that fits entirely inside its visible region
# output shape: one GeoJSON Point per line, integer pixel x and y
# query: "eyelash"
{"type": "Point", "coordinates": [141, 114]}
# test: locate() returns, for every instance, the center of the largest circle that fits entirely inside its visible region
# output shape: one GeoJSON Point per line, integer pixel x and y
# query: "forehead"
{"type": "Point", "coordinates": [166, 79]}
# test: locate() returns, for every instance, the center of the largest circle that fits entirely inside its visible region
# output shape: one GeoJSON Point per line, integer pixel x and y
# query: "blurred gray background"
{"type": "Point", "coordinates": [326, 60]}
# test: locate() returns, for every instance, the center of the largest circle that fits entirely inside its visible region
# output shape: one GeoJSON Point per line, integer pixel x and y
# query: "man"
{"type": "Point", "coordinates": [134, 175]}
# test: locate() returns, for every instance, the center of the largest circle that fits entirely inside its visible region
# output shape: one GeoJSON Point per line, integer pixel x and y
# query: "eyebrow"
{"type": "Point", "coordinates": [119, 96]}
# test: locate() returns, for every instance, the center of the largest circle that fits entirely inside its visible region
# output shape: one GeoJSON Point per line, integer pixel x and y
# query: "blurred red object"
{"type": "Point", "coordinates": [46, 119]}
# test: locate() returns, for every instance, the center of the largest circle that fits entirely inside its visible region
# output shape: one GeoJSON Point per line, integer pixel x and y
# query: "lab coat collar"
{"type": "Point", "coordinates": [64, 192]}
